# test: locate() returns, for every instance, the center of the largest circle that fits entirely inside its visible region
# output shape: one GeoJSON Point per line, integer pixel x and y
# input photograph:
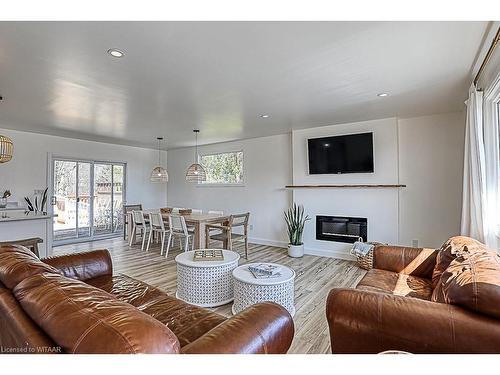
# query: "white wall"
{"type": "Point", "coordinates": [379, 206]}
{"type": "Point", "coordinates": [267, 169]}
{"type": "Point", "coordinates": [431, 164]}
{"type": "Point", "coordinates": [28, 168]}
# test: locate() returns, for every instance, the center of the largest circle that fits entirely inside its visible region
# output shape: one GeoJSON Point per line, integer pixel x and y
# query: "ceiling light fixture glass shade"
{"type": "Point", "coordinates": [159, 174]}
{"type": "Point", "coordinates": [6, 149]}
{"type": "Point", "coordinates": [196, 173]}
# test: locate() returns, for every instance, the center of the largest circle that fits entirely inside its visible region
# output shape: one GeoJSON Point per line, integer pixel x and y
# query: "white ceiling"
{"type": "Point", "coordinates": [56, 77]}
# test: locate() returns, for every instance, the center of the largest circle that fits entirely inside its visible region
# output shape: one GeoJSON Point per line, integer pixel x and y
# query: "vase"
{"type": "Point", "coordinates": [296, 251]}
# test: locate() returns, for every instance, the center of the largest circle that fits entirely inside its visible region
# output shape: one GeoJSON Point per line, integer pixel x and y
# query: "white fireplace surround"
{"type": "Point", "coordinates": [379, 205]}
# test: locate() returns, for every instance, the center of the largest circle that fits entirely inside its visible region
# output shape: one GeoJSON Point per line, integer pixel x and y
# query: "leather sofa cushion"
{"type": "Point", "coordinates": [127, 289]}
{"type": "Point", "coordinates": [394, 283]}
{"type": "Point", "coordinates": [473, 283]}
{"type": "Point", "coordinates": [83, 266]}
{"type": "Point", "coordinates": [186, 321]}
{"type": "Point", "coordinates": [453, 248]}
{"type": "Point", "coordinates": [83, 319]}
{"type": "Point", "coordinates": [19, 263]}
{"type": "Point", "coordinates": [17, 330]}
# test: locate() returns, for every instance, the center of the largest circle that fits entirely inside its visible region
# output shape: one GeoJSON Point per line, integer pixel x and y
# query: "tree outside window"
{"type": "Point", "coordinates": [223, 168]}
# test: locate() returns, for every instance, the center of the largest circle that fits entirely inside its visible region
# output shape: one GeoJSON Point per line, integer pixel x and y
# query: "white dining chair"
{"type": "Point", "coordinates": [220, 213]}
{"type": "Point", "coordinates": [157, 227]}
{"type": "Point", "coordinates": [139, 223]}
{"type": "Point", "coordinates": [179, 229]}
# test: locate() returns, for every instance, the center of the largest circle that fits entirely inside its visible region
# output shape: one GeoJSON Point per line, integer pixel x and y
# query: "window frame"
{"type": "Point", "coordinates": [224, 184]}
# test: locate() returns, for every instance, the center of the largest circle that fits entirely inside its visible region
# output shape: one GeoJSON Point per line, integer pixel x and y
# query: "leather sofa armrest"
{"type": "Point", "coordinates": [83, 266]}
{"type": "Point", "coordinates": [407, 260]}
{"type": "Point", "coordinates": [369, 322]}
{"type": "Point", "coordinates": [264, 328]}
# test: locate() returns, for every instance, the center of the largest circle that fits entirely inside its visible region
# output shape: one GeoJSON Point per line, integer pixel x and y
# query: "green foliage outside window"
{"type": "Point", "coordinates": [224, 168]}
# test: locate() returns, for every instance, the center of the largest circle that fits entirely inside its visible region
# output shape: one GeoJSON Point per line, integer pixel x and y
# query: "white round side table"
{"type": "Point", "coordinates": [206, 283]}
{"type": "Point", "coordinates": [249, 290]}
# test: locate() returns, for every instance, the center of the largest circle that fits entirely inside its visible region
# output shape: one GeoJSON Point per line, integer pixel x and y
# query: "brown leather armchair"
{"type": "Point", "coordinates": [74, 304]}
{"type": "Point", "coordinates": [421, 301]}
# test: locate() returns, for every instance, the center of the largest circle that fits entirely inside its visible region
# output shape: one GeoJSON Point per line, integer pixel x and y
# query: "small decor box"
{"type": "Point", "coordinates": [203, 255]}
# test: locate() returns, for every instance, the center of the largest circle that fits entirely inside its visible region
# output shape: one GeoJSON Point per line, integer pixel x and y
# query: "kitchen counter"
{"type": "Point", "coordinates": [19, 225]}
{"type": "Point", "coordinates": [8, 216]}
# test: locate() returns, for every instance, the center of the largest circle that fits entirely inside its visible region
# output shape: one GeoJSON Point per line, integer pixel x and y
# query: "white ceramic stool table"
{"type": "Point", "coordinates": [249, 290]}
{"type": "Point", "coordinates": [206, 283]}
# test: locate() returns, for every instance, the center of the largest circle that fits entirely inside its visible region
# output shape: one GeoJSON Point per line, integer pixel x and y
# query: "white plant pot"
{"type": "Point", "coordinates": [296, 251]}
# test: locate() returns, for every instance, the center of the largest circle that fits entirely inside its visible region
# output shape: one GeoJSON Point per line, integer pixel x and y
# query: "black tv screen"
{"type": "Point", "coordinates": [341, 154]}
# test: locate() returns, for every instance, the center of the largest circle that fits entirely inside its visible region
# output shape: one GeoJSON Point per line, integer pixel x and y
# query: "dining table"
{"type": "Point", "coordinates": [197, 221]}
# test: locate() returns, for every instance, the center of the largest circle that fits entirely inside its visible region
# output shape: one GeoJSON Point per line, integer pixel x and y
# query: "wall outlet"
{"type": "Point", "coordinates": [414, 243]}
{"type": "Point", "coordinates": [250, 226]}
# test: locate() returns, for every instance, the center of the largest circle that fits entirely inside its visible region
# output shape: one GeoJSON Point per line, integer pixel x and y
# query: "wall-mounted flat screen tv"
{"type": "Point", "coordinates": [351, 153]}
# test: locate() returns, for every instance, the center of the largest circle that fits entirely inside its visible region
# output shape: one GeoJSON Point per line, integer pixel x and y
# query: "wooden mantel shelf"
{"type": "Point", "coordinates": [363, 186]}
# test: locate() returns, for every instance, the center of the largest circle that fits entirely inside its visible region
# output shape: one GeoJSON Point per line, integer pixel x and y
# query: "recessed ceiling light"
{"type": "Point", "coordinates": [115, 52]}
{"type": "Point", "coordinates": [383, 94]}
{"type": "Point", "coordinates": [264, 116]}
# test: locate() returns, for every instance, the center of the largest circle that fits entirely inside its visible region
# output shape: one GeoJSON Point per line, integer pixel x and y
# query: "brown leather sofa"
{"type": "Point", "coordinates": [421, 301]}
{"type": "Point", "coordinates": [74, 304]}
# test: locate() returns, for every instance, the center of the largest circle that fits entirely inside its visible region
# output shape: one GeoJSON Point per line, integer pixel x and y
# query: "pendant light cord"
{"type": "Point", "coordinates": [159, 155]}
{"type": "Point", "coordinates": [196, 147]}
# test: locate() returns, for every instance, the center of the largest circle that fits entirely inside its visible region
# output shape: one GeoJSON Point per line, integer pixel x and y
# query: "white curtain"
{"type": "Point", "coordinates": [481, 199]}
{"type": "Point", "coordinates": [473, 199]}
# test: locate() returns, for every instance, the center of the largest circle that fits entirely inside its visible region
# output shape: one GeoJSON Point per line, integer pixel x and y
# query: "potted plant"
{"type": "Point", "coordinates": [295, 222]}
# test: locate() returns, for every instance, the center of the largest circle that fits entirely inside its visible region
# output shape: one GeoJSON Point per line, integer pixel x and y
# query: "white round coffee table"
{"type": "Point", "coordinates": [206, 283]}
{"type": "Point", "coordinates": [249, 290]}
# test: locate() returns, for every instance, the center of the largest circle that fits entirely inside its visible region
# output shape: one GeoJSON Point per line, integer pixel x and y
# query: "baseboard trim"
{"type": "Point", "coordinates": [329, 253]}
{"type": "Point", "coordinates": [262, 241]}
{"type": "Point", "coordinates": [309, 251]}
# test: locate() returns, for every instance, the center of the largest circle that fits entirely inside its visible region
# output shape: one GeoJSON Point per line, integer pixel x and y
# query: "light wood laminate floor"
{"type": "Point", "coordinates": [315, 276]}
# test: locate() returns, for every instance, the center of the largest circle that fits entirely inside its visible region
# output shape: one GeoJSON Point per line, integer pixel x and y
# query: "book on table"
{"type": "Point", "coordinates": [265, 271]}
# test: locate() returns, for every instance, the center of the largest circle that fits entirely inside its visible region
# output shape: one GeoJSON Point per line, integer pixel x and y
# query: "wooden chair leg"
{"type": "Point", "coordinates": [246, 248]}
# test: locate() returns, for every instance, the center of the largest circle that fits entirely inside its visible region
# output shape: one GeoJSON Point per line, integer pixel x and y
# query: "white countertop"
{"type": "Point", "coordinates": [8, 216]}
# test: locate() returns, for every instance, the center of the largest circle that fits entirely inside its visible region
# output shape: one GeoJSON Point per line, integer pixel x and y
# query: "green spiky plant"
{"type": "Point", "coordinates": [295, 222]}
{"type": "Point", "coordinates": [37, 204]}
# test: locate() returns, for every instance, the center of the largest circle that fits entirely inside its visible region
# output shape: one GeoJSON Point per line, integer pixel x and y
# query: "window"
{"type": "Point", "coordinates": [88, 199]}
{"type": "Point", "coordinates": [223, 168]}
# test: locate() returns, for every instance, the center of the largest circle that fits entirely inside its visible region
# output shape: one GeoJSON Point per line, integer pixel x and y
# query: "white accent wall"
{"type": "Point", "coordinates": [267, 169]}
{"type": "Point", "coordinates": [379, 206]}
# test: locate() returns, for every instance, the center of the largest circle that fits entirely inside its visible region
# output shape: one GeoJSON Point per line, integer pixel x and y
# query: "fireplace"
{"type": "Point", "coordinates": [341, 228]}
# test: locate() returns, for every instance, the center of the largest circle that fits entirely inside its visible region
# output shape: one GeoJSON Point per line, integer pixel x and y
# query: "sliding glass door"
{"type": "Point", "coordinates": [88, 199]}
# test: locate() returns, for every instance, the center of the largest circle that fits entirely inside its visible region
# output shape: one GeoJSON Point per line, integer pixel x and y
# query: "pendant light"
{"type": "Point", "coordinates": [6, 149]}
{"type": "Point", "coordinates": [159, 174]}
{"type": "Point", "coordinates": [196, 172]}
